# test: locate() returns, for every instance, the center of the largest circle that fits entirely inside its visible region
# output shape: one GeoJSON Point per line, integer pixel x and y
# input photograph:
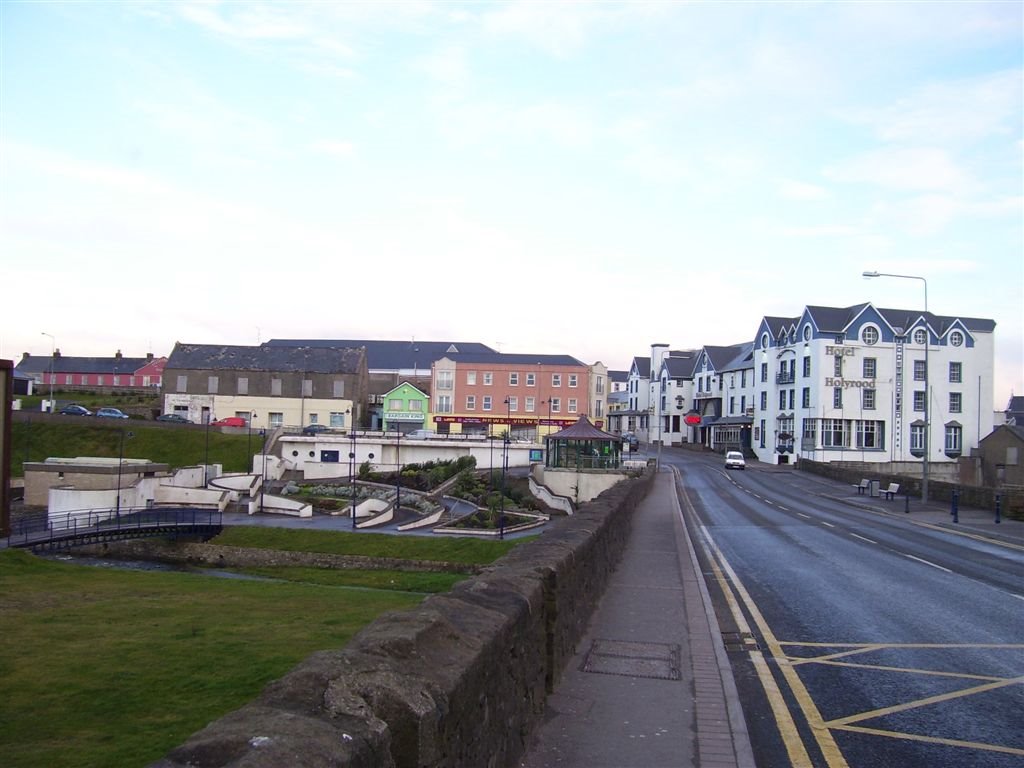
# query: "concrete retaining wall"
{"type": "Point", "coordinates": [460, 680]}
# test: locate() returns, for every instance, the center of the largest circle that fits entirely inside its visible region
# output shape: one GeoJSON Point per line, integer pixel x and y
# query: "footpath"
{"type": "Point", "coordinates": [650, 685]}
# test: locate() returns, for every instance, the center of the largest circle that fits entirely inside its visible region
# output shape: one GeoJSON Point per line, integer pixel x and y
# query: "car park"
{"type": "Point", "coordinates": [230, 421]}
{"type": "Point", "coordinates": [735, 460]}
{"type": "Point", "coordinates": [111, 413]}
{"type": "Point", "coordinates": [75, 410]}
{"type": "Point", "coordinates": [173, 418]}
{"type": "Point", "coordinates": [315, 429]}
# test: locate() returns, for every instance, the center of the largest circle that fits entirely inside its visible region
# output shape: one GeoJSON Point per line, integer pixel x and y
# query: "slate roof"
{"type": "Point", "coordinates": [744, 358]}
{"type": "Point", "coordinates": [836, 319]}
{"type": "Point", "coordinates": [385, 355]}
{"type": "Point", "coordinates": [67, 364]}
{"type": "Point", "coordinates": [583, 430]}
{"type": "Point", "coordinates": [722, 356]}
{"type": "Point", "coordinates": [680, 366]}
{"type": "Point", "coordinates": [503, 358]}
{"type": "Point", "coordinates": [265, 358]}
{"type": "Point", "coordinates": [643, 366]}
{"type": "Point", "coordinates": [619, 376]}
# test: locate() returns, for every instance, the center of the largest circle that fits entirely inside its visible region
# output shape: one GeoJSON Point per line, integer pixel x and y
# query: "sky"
{"type": "Point", "coordinates": [552, 178]}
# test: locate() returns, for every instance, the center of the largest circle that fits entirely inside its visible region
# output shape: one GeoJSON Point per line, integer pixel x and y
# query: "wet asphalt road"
{"type": "Point", "coordinates": [891, 643]}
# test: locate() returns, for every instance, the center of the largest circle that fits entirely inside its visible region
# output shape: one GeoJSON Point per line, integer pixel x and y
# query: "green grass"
{"type": "Point", "coordinates": [110, 668]}
{"type": "Point", "coordinates": [80, 436]}
{"type": "Point", "coordinates": [436, 549]}
{"type": "Point", "coordinates": [401, 581]}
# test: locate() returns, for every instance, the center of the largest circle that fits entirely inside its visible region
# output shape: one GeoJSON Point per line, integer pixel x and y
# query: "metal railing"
{"type": "Point", "coordinates": [92, 526]}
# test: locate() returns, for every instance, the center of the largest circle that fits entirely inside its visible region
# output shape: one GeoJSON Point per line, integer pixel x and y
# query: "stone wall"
{"type": "Point", "coordinates": [461, 680]}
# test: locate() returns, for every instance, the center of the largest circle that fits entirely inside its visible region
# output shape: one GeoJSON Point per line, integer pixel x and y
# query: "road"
{"type": "Point", "coordinates": [859, 638]}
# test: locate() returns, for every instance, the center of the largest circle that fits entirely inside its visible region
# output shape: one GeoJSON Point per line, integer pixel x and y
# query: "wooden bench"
{"type": "Point", "coordinates": [863, 486]}
{"type": "Point", "coordinates": [891, 491]}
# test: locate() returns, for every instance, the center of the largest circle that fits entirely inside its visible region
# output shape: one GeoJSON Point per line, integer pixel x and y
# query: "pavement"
{"type": "Point", "coordinates": [650, 685]}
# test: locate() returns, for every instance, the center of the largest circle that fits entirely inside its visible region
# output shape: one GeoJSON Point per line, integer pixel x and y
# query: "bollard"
{"type": "Point", "coordinates": [956, 506]}
{"type": "Point", "coordinates": [999, 502]}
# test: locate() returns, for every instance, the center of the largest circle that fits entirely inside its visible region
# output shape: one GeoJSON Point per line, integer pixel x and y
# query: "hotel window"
{"type": "Point", "coordinates": [920, 336]}
{"type": "Point", "coordinates": [513, 379]}
{"type": "Point", "coordinates": [918, 400]}
{"type": "Point", "coordinates": [917, 438]}
{"type": "Point", "coordinates": [869, 434]}
{"type": "Point", "coordinates": [573, 379]}
{"type": "Point", "coordinates": [867, 399]}
{"type": "Point", "coordinates": [488, 379]}
{"type": "Point", "coordinates": [513, 404]}
{"type": "Point", "coordinates": [531, 404]}
{"type": "Point", "coordinates": [956, 339]}
{"type": "Point", "coordinates": [243, 385]}
{"type": "Point", "coordinates": [531, 380]}
{"type": "Point", "coordinates": [556, 404]}
{"type": "Point", "coordinates": [956, 373]}
{"type": "Point", "coordinates": [782, 399]}
{"type": "Point", "coordinates": [487, 402]}
{"type": "Point", "coordinates": [556, 379]}
{"type": "Point", "coordinates": [837, 365]}
{"type": "Point", "coordinates": [954, 439]}
{"type": "Point", "coordinates": [743, 404]}
{"type": "Point", "coordinates": [869, 336]}
{"type": "Point", "coordinates": [919, 369]}
{"type": "Point", "coordinates": [743, 378]}
{"type": "Point", "coordinates": [307, 387]}
{"type": "Point", "coordinates": [807, 366]}
{"type": "Point", "coordinates": [805, 398]}
{"type": "Point", "coordinates": [764, 401]}
{"type": "Point", "coordinates": [870, 367]}
{"type": "Point", "coordinates": [211, 385]}
{"type": "Point", "coordinates": [572, 405]}
{"type": "Point", "coordinates": [732, 405]}
{"type": "Point", "coordinates": [182, 384]}
{"type": "Point", "coordinates": [835, 433]}
{"type": "Point", "coordinates": [471, 378]}
{"type": "Point", "coordinates": [792, 396]}
{"type": "Point", "coordinates": [837, 397]}
{"type": "Point", "coordinates": [764, 371]}
{"type": "Point", "coordinates": [275, 387]}
{"type": "Point", "coordinates": [444, 403]}
{"type": "Point", "coordinates": [811, 431]}
{"type": "Point", "coordinates": [470, 402]}
{"type": "Point", "coordinates": [444, 379]}
{"type": "Point", "coordinates": [955, 402]}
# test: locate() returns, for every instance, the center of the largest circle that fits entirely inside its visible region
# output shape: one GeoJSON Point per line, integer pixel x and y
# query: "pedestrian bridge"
{"type": "Point", "coordinates": [73, 529]}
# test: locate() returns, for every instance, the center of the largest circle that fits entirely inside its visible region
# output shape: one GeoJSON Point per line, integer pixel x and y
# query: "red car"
{"type": "Point", "coordinates": [230, 421]}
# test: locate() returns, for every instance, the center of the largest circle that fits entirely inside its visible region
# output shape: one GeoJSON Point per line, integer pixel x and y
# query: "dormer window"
{"type": "Point", "coordinates": [869, 335]}
{"type": "Point", "coordinates": [920, 336]}
{"type": "Point", "coordinates": [956, 338]}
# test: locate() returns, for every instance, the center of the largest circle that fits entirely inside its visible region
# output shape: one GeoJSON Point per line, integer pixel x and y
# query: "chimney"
{"type": "Point", "coordinates": [56, 353]}
{"type": "Point", "coordinates": [117, 356]}
{"type": "Point", "coordinates": [149, 357]}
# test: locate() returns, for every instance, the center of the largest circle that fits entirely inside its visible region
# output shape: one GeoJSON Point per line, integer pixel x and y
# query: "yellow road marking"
{"type": "Point", "coordinates": [924, 702]}
{"type": "Point", "coordinates": [796, 662]}
{"type": "Point", "coordinates": [932, 739]}
{"type": "Point", "coordinates": [829, 749]}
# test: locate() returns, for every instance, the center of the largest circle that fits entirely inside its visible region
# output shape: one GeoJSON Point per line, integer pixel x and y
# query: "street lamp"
{"type": "Point", "coordinates": [504, 465]}
{"type": "Point", "coordinates": [927, 394]}
{"type": "Point", "coordinates": [53, 355]}
{"type": "Point", "coordinates": [398, 468]}
{"type": "Point", "coordinates": [206, 459]}
{"type": "Point", "coordinates": [352, 472]}
{"type": "Point", "coordinates": [120, 461]}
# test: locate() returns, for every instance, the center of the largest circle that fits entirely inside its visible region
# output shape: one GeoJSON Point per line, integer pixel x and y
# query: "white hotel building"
{"type": "Point", "coordinates": [849, 384]}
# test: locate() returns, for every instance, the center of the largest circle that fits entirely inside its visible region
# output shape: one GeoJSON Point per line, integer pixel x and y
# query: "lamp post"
{"type": "Point", "coordinates": [504, 465]}
{"type": "Point", "coordinates": [206, 459]}
{"type": "Point", "coordinates": [53, 355]}
{"type": "Point", "coordinates": [352, 472]}
{"type": "Point", "coordinates": [927, 394]}
{"type": "Point", "coordinates": [120, 461]}
{"type": "Point", "coordinates": [398, 468]}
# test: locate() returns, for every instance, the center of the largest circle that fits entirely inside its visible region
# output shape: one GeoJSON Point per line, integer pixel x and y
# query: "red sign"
{"type": "Point", "coordinates": [692, 419]}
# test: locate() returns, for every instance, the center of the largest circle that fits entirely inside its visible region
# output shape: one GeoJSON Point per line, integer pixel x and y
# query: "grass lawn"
{"type": "Point", "coordinates": [442, 548]}
{"type": "Point", "coordinates": [108, 668]}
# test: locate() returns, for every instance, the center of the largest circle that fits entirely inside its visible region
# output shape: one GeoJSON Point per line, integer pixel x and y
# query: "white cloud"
{"type": "Point", "coordinates": [246, 21]}
{"type": "Point", "coordinates": [791, 189]}
{"type": "Point", "coordinates": [333, 148]}
{"type": "Point", "coordinates": [896, 168]}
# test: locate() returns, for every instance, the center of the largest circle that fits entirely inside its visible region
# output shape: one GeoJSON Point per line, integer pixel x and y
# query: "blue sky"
{"type": "Point", "coordinates": [565, 178]}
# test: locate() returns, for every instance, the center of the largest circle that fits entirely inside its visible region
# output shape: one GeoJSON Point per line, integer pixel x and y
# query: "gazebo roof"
{"type": "Point", "coordinates": [583, 430]}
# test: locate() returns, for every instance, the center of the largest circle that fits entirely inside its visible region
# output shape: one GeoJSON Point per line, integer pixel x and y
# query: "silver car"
{"type": "Point", "coordinates": [735, 460]}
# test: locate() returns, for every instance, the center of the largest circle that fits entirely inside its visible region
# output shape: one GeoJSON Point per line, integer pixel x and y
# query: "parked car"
{"type": "Point", "coordinates": [75, 410]}
{"type": "Point", "coordinates": [315, 429]}
{"type": "Point", "coordinates": [421, 434]}
{"type": "Point", "coordinates": [111, 413]}
{"type": "Point", "coordinates": [734, 460]}
{"type": "Point", "coordinates": [631, 441]}
{"type": "Point", "coordinates": [174, 418]}
{"type": "Point", "coordinates": [230, 421]}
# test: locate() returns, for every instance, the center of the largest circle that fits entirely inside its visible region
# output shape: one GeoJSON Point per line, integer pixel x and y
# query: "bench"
{"type": "Point", "coordinates": [863, 486]}
{"type": "Point", "coordinates": [891, 491]}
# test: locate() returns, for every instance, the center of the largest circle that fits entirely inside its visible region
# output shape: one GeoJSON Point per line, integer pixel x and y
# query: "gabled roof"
{"type": "Point", "coordinates": [385, 355]}
{"type": "Point", "coordinates": [680, 366]}
{"type": "Point", "coordinates": [620, 376]}
{"type": "Point", "coordinates": [265, 358]}
{"type": "Point", "coordinates": [642, 365]}
{"type": "Point", "coordinates": [722, 356]}
{"type": "Point", "coordinates": [744, 358]}
{"type": "Point", "coordinates": [65, 364]}
{"type": "Point", "coordinates": [837, 319]}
